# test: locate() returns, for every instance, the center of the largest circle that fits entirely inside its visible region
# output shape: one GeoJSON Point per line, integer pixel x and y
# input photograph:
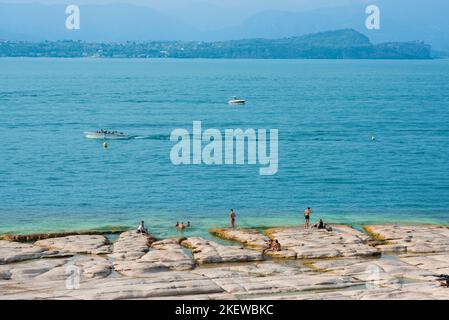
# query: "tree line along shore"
{"type": "Point", "coordinates": [339, 44]}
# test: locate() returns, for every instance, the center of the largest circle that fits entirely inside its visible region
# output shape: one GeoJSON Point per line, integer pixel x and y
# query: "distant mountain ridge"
{"type": "Point", "coordinates": [117, 22]}
{"type": "Point", "coordinates": [339, 44]}
{"type": "Point", "coordinates": [401, 20]}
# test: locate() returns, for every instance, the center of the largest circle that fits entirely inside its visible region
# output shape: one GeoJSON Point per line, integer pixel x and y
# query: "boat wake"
{"type": "Point", "coordinates": [152, 137]}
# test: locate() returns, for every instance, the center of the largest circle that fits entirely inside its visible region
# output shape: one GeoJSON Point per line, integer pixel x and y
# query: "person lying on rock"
{"type": "Point", "coordinates": [444, 280]}
{"type": "Point", "coordinates": [141, 228]}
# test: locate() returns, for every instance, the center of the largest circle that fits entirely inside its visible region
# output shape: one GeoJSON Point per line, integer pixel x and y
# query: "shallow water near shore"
{"type": "Point", "coordinates": [53, 179]}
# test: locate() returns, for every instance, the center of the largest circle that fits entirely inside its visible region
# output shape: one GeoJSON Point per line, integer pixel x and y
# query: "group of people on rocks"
{"type": "Point", "coordinates": [319, 225]}
{"type": "Point", "coordinates": [180, 226]}
{"type": "Point", "coordinates": [307, 212]}
{"type": "Point", "coordinates": [272, 244]}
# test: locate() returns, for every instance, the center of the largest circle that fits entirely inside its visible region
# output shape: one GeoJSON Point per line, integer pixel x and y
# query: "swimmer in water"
{"type": "Point", "coordinates": [182, 226]}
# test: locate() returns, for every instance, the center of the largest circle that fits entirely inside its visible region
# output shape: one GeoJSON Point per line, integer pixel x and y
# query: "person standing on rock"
{"type": "Point", "coordinates": [232, 218]}
{"type": "Point", "coordinates": [307, 213]}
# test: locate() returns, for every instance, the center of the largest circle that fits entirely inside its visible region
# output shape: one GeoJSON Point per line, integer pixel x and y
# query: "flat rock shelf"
{"type": "Point", "coordinates": [385, 262]}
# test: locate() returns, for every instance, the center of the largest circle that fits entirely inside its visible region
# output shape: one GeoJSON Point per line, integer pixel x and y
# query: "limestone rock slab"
{"type": "Point", "coordinates": [207, 251]}
{"type": "Point", "coordinates": [87, 244]}
{"type": "Point", "coordinates": [342, 241]}
{"type": "Point", "coordinates": [162, 256]}
{"type": "Point", "coordinates": [248, 237]}
{"type": "Point", "coordinates": [15, 251]}
{"type": "Point", "coordinates": [131, 245]}
{"type": "Point", "coordinates": [412, 239]}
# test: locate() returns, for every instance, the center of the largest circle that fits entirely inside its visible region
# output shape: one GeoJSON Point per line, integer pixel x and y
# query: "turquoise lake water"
{"type": "Point", "coordinates": [52, 178]}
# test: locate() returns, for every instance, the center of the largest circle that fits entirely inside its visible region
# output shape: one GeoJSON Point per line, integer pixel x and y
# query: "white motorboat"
{"type": "Point", "coordinates": [236, 100]}
{"type": "Point", "coordinates": [106, 135]}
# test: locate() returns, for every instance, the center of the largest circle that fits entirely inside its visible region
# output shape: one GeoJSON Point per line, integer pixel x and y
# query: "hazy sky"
{"type": "Point", "coordinates": [296, 5]}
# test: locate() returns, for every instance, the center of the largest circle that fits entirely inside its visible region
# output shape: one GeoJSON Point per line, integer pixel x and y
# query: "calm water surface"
{"type": "Point", "coordinates": [52, 178]}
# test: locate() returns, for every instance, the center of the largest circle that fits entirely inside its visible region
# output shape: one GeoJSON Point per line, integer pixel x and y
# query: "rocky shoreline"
{"type": "Point", "coordinates": [42, 236]}
{"type": "Point", "coordinates": [381, 262]}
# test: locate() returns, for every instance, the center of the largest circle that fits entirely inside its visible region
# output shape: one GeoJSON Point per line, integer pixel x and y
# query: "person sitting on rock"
{"type": "Point", "coordinates": [269, 246]}
{"type": "Point", "coordinates": [177, 224]}
{"type": "Point", "coordinates": [141, 228]}
{"type": "Point", "coordinates": [321, 225]}
{"type": "Point", "coordinates": [276, 246]}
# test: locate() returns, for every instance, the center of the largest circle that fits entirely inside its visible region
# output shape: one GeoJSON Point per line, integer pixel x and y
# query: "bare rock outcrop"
{"type": "Point", "coordinates": [85, 244]}
{"type": "Point", "coordinates": [315, 244]}
{"type": "Point", "coordinates": [14, 252]}
{"type": "Point", "coordinates": [207, 251]}
{"type": "Point", "coordinates": [248, 237]}
{"type": "Point", "coordinates": [411, 239]}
